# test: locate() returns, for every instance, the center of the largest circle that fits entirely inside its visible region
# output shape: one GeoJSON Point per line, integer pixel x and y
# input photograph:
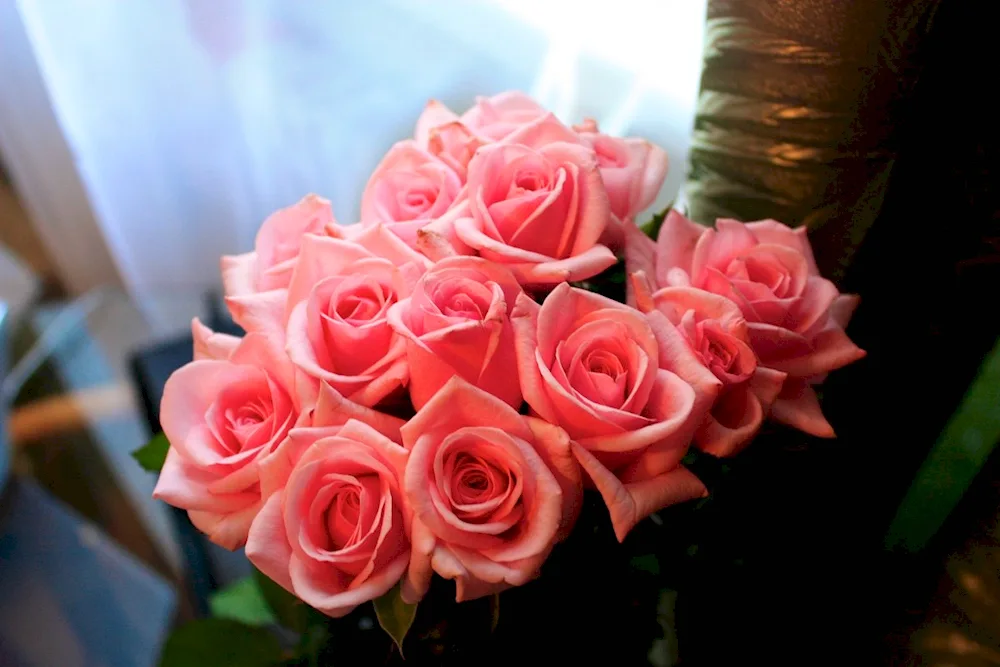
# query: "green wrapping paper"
{"type": "Point", "coordinates": [796, 115]}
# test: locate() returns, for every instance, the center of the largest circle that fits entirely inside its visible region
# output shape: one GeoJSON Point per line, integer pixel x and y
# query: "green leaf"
{"type": "Point", "coordinates": [652, 227]}
{"type": "Point", "coordinates": [959, 454]}
{"type": "Point", "coordinates": [647, 563]}
{"type": "Point", "coordinates": [242, 601]}
{"type": "Point", "coordinates": [152, 455]}
{"type": "Point", "coordinates": [494, 611]}
{"type": "Point", "coordinates": [220, 642]}
{"type": "Point", "coordinates": [290, 611]}
{"type": "Point", "coordinates": [394, 615]}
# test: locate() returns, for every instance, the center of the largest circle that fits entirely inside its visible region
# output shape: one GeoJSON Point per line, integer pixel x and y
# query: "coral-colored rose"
{"type": "Point", "coordinates": [633, 171]}
{"type": "Point", "coordinates": [337, 329]}
{"type": "Point", "coordinates": [410, 189]}
{"type": "Point", "coordinates": [222, 416]}
{"type": "Point", "coordinates": [538, 206]}
{"type": "Point", "coordinates": [337, 534]}
{"type": "Point", "coordinates": [457, 322]}
{"type": "Point", "coordinates": [795, 317]}
{"type": "Point", "coordinates": [627, 389]}
{"type": "Point", "coordinates": [715, 329]}
{"type": "Point", "coordinates": [491, 492]}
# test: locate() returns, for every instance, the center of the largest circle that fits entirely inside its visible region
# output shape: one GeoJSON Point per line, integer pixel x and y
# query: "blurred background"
{"type": "Point", "coordinates": [141, 141]}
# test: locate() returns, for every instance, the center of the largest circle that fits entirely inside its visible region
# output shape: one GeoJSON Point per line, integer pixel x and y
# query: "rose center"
{"type": "Point", "coordinates": [362, 304]}
{"type": "Point", "coordinates": [531, 181]}
{"type": "Point", "coordinates": [244, 420]}
{"type": "Point", "coordinates": [342, 516]}
{"type": "Point", "coordinates": [415, 195]}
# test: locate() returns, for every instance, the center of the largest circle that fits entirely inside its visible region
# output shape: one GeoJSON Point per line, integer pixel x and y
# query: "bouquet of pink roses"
{"type": "Point", "coordinates": [433, 389]}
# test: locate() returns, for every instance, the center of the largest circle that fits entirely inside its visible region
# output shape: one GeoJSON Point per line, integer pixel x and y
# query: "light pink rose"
{"type": "Point", "coordinates": [222, 416]}
{"type": "Point", "coordinates": [497, 117]}
{"type": "Point", "coordinates": [410, 189]}
{"type": "Point", "coordinates": [538, 206]}
{"type": "Point", "coordinates": [491, 492]}
{"type": "Point", "coordinates": [211, 345]}
{"type": "Point", "coordinates": [269, 266]}
{"type": "Point", "coordinates": [337, 329]}
{"type": "Point", "coordinates": [715, 329]}
{"type": "Point", "coordinates": [440, 132]}
{"type": "Point", "coordinates": [633, 171]}
{"type": "Point", "coordinates": [626, 387]}
{"type": "Point", "coordinates": [457, 322]}
{"type": "Point", "coordinates": [337, 534]}
{"type": "Point", "coordinates": [795, 317]}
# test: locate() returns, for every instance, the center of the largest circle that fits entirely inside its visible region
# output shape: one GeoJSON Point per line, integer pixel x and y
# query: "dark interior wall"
{"type": "Point", "coordinates": [871, 122]}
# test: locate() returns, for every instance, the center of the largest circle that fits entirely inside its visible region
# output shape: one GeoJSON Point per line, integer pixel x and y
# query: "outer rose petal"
{"type": "Point", "coordinates": [772, 231]}
{"type": "Point", "coordinates": [261, 312]}
{"type": "Point", "coordinates": [640, 257]}
{"type": "Point", "coordinates": [554, 446]}
{"type": "Point", "coordinates": [719, 439]}
{"type": "Point", "coordinates": [434, 115]}
{"type": "Point", "coordinates": [832, 349]}
{"type": "Point", "coordinates": [675, 246]}
{"type": "Point", "coordinates": [211, 345]}
{"type": "Point", "coordinates": [238, 274]}
{"type": "Point", "coordinates": [798, 406]}
{"type": "Point", "coordinates": [267, 545]}
{"type": "Point", "coordinates": [337, 603]}
{"type": "Point", "coordinates": [630, 503]}
{"type": "Point", "coordinates": [229, 531]}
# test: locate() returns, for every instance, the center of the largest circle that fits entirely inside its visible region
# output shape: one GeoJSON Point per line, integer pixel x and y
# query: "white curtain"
{"type": "Point", "coordinates": [190, 120]}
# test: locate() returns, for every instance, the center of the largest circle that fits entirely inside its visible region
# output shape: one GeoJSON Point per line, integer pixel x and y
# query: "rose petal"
{"type": "Point", "coordinates": [209, 344]}
{"type": "Point", "coordinates": [798, 407]}
{"type": "Point", "coordinates": [267, 547]}
{"type": "Point", "coordinates": [628, 504]}
{"type": "Point", "coordinates": [675, 246]}
{"type": "Point", "coordinates": [239, 274]}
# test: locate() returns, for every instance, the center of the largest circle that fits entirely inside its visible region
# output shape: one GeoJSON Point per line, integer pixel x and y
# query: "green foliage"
{"type": "Point", "coordinates": [152, 455]}
{"type": "Point", "coordinates": [242, 601]}
{"type": "Point", "coordinates": [289, 611]}
{"type": "Point", "coordinates": [220, 642]}
{"type": "Point", "coordinates": [395, 616]}
{"type": "Point", "coordinates": [651, 227]}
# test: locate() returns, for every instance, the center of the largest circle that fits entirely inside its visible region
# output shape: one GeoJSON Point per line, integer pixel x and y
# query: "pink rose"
{"type": "Point", "coordinates": [626, 387]}
{"type": "Point", "coordinates": [457, 322]}
{"type": "Point", "coordinates": [538, 207]}
{"type": "Point", "coordinates": [410, 189]}
{"type": "Point", "coordinates": [337, 534]}
{"type": "Point", "coordinates": [795, 317]}
{"type": "Point", "coordinates": [497, 117]}
{"type": "Point", "coordinates": [491, 492]}
{"type": "Point", "coordinates": [269, 266]}
{"type": "Point", "coordinates": [633, 170]}
{"type": "Point", "coordinates": [717, 333]}
{"type": "Point", "coordinates": [211, 345]}
{"type": "Point", "coordinates": [337, 329]}
{"type": "Point", "coordinates": [222, 416]}
{"type": "Point", "coordinates": [443, 135]}
{"type": "Point", "coordinates": [331, 411]}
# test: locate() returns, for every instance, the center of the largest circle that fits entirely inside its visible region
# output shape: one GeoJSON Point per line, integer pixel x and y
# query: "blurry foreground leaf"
{"type": "Point", "coordinates": [220, 642]}
{"type": "Point", "coordinates": [958, 455]}
{"type": "Point", "coordinates": [242, 601]}
{"type": "Point", "coordinates": [289, 611]}
{"type": "Point", "coordinates": [395, 616]}
{"type": "Point", "coordinates": [494, 611]}
{"type": "Point", "coordinates": [152, 455]}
